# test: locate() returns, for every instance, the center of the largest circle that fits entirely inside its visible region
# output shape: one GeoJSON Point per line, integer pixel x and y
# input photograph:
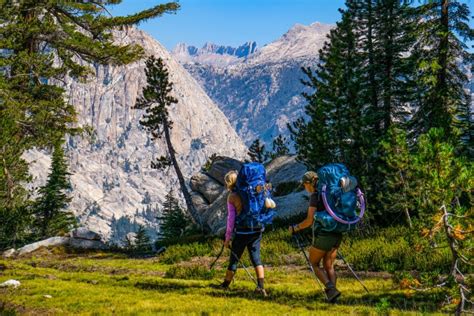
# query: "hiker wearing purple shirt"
{"type": "Point", "coordinates": [243, 238]}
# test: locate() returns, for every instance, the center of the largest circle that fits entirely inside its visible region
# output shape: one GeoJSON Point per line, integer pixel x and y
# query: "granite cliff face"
{"type": "Point", "coordinates": [114, 188]}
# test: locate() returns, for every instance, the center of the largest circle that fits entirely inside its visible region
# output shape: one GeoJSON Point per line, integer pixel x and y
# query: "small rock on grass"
{"type": "Point", "coordinates": [11, 283]}
{"type": "Point", "coordinates": [9, 253]}
{"type": "Point", "coordinates": [47, 296]}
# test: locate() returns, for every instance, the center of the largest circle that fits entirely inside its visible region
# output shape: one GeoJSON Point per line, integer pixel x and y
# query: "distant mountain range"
{"type": "Point", "coordinates": [259, 90]}
{"type": "Point", "coordinates": [213, 54]}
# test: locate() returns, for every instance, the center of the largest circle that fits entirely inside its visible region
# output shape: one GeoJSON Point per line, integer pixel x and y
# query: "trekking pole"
{"type": "Point", "coordinates": [245, 268]}
{"type": "Point", "coordinates": [309, 264]}
{"type": "Point", "coordinates": [217, 258]}
{"type": "Point", "coordinates": [350, 268]}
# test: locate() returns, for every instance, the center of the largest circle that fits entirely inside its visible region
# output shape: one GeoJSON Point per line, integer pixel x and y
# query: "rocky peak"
{"type": "Point", "coordinates": [213, 54]}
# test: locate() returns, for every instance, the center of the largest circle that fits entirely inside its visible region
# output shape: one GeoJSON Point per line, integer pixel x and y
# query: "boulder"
{"type": "Point", "coordinates": [285, 169]}
{"type": "Point", "coordinates": [199, 202]}
{"type": "Point", "coordinates": [216, 214]}
{"type": "Point", "coordinates": [9, 253]}
{"type": "Point", "coordinates": [87, 244]}
{"type": "Point", "coordinates": [50, 242]}
{"type": "Point", "coordinates": [291, 204]}
{"type": "Point", "coordinates": [221, 166]}
{"type": "Point", "coordinates": [84, 233]}
{"type": "Point", "coordinates": [207, 186]}
{"type": "Point", "coordinates": [210, 188]}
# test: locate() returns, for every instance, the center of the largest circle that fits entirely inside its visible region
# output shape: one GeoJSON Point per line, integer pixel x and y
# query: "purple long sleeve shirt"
{"type": "Point", "coordinates": [230, 221]}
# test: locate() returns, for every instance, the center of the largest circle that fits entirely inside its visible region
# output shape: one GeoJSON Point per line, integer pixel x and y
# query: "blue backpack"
{"type": "Point", "coordinates": [340, 196]}
{"type": "Point", "coordinates": [252, 189]}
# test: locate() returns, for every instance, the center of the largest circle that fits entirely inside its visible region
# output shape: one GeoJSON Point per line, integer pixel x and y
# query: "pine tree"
{"type": "Point", "coordinates": [142, 241]}
{"type": "Point", "coordinates": [257, 152]}
{"type": "Point", "coordinates": [444, 177]}
{"type": "Point", "coordinates": [332, 133]}
{"type": "Point", "coordinates": [40, 43]}
{"type": "Point", "coordinates": [279, 147]}
{"type": "Point", "coordinates": [442, 32]}
{"type": "Point", "coordinates": [173, 221]}
{"type": "Point", "coordinates": [396, 194]}
{"type": "Point", "coordinates": [51, 217]}
{"type": "Point", "coordinates": [384, 33]}
{"type": "Point", "coordinates": [15, 212]}
{"type": "Point", "coordinates": [155, 101]}
{"type": "Point", "coordinates": [394, 25]}
{"type": "Point", "coordinates": [444, 196]}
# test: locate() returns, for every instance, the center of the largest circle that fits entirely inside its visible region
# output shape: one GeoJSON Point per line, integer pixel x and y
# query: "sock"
{"type": "Point", "coordinates": [226, 283]}
{"type": "Point", "coordinates": [260, 282]}
{"type": "Point", "coordinates": [330, 285]}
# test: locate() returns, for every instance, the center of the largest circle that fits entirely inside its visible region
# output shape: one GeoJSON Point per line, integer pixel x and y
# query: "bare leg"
{"type": "Point", "coordinates": [259, 272]}
{"type": "Point", "coordinates": [315, 256]}
{"type": "Point", "coordinates": [328, 263]}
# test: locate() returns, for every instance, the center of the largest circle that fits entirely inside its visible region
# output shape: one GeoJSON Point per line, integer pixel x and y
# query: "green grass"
{"type": "Point", "coordinates": [105, 283]}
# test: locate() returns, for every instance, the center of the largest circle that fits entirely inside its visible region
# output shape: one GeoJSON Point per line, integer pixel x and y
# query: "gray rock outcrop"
{"type": "Point", "coordinates": [210, 188]}
{"type": "Point", "coordinates": [50, 242]}
{"type": "Point", "coordinates": [221, 166]}
{"type": "Point", "coordinates": [84, 233]}
{"type": "Point", "coordinates": [81, 238]}
{"type": "Point", "coordinates": [280, 170]}
{"type": "Point", "coordinates": [285, 169]}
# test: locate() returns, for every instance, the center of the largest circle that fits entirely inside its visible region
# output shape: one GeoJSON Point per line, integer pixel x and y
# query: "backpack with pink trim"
{"type": "Point", "coordinates": [341, 197]}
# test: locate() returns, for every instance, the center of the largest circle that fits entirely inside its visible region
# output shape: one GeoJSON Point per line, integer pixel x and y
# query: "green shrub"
{"type": "Point", "coordinates": [389, 249]}
{"type": "Point", "coordinates": [190, 272]}
{"type": "Point", "coordinates": [184, 252]}
{"type": "Point", "coordinates": [395, 249]}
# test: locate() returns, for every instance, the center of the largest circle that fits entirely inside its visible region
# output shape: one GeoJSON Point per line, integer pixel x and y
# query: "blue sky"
{"type": "Point", "coordinates": [234, 22]}
{"type": "Point", "coordinates": [231, 22]}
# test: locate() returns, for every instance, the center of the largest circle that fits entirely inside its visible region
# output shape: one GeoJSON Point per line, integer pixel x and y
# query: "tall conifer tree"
{"type": "Point", "coordinates": [41, 42]}
{"type": "Point", "coordinates": [155, 100]}
{"type": "Point", "coordinates": [332, 133]}
{"type": "Point", "coordinates": [257, 152]}
{"type": "Point", "coordinates": [442, 32]}
{"type": "Point", "coordinates": [51, 217]}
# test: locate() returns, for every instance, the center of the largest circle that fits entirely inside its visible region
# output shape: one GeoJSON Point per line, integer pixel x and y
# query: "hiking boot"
{"type": "Point", "coordinates": [261, 292]}
{"type": "Point", "coordinates": [332, 294]}
{"type": "Point", "coordinates": [221, 286]}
